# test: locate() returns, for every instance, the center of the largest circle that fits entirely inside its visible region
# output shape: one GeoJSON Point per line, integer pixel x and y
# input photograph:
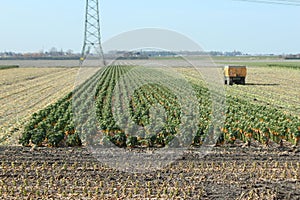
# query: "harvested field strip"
{"type": "Point", "coordinates": [32, 95]}
{"type": "Point", "coordinates": [30, 90]}
{"type": "Point", "coordinates": [14, 76]}
{"type": "Point", "coordinates": [36, 91]}
{"type": "Point", "coordinates": [277, 87]}
{"type": "Point", "coordinates": [31, 83]}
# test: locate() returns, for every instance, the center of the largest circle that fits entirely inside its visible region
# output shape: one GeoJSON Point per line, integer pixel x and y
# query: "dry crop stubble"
{"type": "Point", "coordinates": [275, 87]}
{"type": "Point", "coordinates": [27, 90]}
{"type": "Point", "coordinates": [68, 173]}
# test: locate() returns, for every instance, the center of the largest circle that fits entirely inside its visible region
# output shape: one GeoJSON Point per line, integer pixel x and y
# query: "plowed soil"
{"type": "Point", "coordinates": [224, 173]}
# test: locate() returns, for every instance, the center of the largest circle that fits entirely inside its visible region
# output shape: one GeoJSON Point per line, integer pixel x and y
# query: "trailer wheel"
{"type": "Point", "coordinates": [230, 81]}
{"type": "Point", "coordinates": [243, 81]}
{"type": "Point", "coordinates": [225, 81]}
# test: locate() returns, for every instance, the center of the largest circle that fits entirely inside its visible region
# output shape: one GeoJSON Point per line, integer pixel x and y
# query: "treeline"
{"type": "Point", "coordinates": [8, 66]}
{"type": "Point", "coordinates": [41, 58]}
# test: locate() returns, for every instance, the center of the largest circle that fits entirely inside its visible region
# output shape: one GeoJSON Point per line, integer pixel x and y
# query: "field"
{"type": "Point", "coordinates": [24, 91]}
{"type": "Point", "coordinates": [270, 84]}
{"type": "Point", "coordinates": [273, 84]}
{"type": "Point", "coordinates": [279, 91]}
{"type": "Point", "coordinates": [224, 173]}
{"type": "Point", "coordinates": [258, 142]}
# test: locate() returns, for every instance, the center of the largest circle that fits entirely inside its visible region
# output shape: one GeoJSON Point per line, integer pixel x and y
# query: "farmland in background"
{"type": "Point", "coordinates": [272, 83]}
{"type": "Point", "coordinates": [264, 110]}
{"type": "Point", "coordinates": [275, 84]}
{"type": "Point", "coordinates": [232, 171]}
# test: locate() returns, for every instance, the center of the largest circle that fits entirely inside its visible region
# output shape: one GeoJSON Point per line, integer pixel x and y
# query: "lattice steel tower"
{"type": "Point", "coordinates": [92, 36]}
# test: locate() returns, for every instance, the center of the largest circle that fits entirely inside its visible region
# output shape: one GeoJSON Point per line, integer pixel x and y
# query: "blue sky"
{"type": "Point", "coordinates": [224, 25]}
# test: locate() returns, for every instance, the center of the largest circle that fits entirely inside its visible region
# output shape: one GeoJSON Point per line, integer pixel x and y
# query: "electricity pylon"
{"type": "Point", "coordinates": [92, 36]}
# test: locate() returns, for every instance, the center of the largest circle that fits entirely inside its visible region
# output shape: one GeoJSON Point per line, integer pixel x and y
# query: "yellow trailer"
{"type": "Point", "coordinates": [235, 74]}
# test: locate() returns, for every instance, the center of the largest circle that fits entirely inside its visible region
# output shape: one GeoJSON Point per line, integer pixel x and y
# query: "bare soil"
{"type": "Point", "coordinates": [227, 172]}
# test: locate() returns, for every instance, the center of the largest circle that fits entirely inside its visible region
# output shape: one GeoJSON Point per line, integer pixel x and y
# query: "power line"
{"type": "Point", "coordinates": [279, 1]}
{"type": "Point", "coordinates": [275, 2]}
{"type": "Point", "coordinates": [291, 0]}
{"type": "Point", "coordinates": [290, 3]}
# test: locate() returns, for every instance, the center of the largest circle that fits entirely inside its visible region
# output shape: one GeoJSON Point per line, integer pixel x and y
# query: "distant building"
{"type": "Point", "coordinates": [292, 56]}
